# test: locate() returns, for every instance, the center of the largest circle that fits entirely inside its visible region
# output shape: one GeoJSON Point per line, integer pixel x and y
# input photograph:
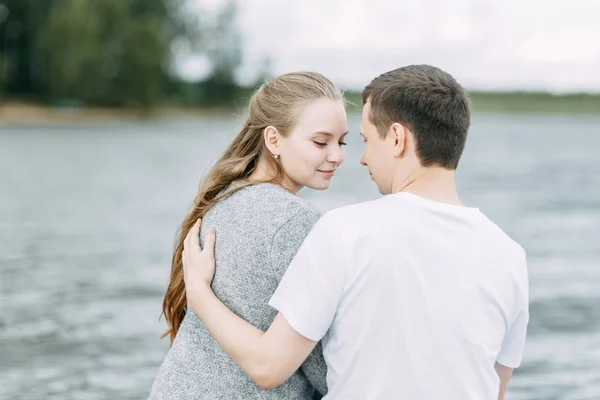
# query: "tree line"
{"type": "Point", "coordinates": [115, 53]}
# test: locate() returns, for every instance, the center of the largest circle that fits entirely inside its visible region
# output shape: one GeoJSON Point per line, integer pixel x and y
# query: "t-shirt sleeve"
{"type": "Point", "coordinates": [311, 288]}
{"type": "Point", "coordinates": [511, 351]}
{"type": "Point", "coordinates": [285, 245]}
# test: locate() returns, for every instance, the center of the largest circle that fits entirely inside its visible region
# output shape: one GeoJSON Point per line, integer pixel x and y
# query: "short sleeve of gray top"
{"type": "Point", "coordinates": [259, 230]}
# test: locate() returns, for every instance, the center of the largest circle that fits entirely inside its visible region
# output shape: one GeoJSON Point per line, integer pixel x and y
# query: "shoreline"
{"type": "Point", "coordinates": [34, 114]}
{"type": "Point", "coordinates": [22, 113]}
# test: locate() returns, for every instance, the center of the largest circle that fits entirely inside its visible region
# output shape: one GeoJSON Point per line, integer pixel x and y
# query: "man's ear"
{"type": "Point", "coordinates": [272, 139]}
{"type": "Point", "coordinates": [398, 135]}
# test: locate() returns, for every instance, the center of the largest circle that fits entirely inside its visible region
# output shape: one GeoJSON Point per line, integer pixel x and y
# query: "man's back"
{"type": "Point", "coordinates": [428, 297]}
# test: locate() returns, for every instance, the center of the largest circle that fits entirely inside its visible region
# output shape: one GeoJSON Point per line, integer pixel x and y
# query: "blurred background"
{"type": "Point", "coordinates": [111, 111]}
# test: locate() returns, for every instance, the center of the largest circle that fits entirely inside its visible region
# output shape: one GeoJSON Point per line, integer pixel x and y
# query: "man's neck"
{"type": "Point", "coordinates": [432, 183]}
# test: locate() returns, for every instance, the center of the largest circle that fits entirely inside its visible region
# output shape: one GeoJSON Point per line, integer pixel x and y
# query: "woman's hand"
{"type": "Point", "coordinates": [198, 264]}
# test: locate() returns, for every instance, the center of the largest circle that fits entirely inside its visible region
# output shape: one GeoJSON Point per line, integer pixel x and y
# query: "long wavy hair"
{"type": "Point", "coordinates": [278, 103]}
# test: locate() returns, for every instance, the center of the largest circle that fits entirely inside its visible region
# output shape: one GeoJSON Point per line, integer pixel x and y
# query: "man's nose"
{"type": "Point", "coordinates": [362, 161]}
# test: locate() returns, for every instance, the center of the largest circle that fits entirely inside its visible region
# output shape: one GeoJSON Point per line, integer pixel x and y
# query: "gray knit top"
{"type": "Point", "coordinates": [259, 230]}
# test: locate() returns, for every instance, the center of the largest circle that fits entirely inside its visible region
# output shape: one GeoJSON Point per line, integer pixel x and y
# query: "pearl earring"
{"type": "Point", "coordinates": [275, 155]}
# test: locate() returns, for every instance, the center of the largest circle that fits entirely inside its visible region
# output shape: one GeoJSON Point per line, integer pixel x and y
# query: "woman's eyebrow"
{"type": "Point", "coordinates": [329, 133]}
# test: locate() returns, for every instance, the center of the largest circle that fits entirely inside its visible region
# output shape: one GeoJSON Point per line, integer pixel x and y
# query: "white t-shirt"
{"type": "Point", "coordinates": [413, 298]}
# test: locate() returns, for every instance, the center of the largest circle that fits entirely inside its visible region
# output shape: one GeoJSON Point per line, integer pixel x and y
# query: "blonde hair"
{"type": "Point", "coordinates": [278, 103]}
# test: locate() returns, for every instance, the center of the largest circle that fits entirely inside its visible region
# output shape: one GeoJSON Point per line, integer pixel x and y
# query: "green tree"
{"type": "Point", "coordinates": [18, 32]}
{"type": "Point", "coordinates": [69, 52]}
{"type": "Point", "coordinates": [109, 52]}
{"type": "Point", "coordinates": [224, 48]}
{"type": "Point", "coordinates": [112, 52]}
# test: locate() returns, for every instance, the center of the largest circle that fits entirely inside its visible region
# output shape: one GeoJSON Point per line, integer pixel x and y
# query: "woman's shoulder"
{"type": "Point", "coordinates": [276, 200]}
{"type": "Point", "coordinates": [267, 204]}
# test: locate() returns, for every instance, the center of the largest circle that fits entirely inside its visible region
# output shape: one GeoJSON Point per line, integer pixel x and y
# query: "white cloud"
{"type": "Point", "coordinates": [513, 44]}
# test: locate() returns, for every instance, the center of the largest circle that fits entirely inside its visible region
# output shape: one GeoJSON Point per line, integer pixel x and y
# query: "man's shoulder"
{"type": "Point", "coordinates": [368, 208]}
{"type": "Point", "coordinates": [502, 239]}
{"type": "Point", "coordinates": [354, 217]}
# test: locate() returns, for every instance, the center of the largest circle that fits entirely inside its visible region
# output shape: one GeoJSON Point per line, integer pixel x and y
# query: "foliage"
{"type": "Point", "coordinates": [109, 52]}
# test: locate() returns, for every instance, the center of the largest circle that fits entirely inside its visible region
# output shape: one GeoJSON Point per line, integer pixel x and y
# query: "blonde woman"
{"type": "Point", "coordinates": [292, 138]}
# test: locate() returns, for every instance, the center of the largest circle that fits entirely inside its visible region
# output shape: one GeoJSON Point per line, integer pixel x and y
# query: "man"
{"type": "Point", "coordinates": [414, 295]}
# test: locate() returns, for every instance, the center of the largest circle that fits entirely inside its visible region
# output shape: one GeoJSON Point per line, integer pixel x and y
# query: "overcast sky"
{"type": "Point", "coordinates": [485, 44]}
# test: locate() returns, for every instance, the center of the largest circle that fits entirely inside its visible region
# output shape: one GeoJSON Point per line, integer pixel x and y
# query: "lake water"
{"type": "Point", "coordinates": [88, 216]}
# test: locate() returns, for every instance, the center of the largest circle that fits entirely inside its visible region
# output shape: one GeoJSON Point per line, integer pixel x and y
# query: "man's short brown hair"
{"type": "Point", "coordinates": [430, 103]}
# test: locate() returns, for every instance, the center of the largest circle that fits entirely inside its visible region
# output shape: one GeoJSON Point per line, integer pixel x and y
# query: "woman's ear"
{"type": "Point", "coordinates": [272, 138]}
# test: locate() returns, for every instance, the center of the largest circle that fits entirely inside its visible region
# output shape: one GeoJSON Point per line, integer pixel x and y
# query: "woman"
{"type": "Point", "coordinates": [292, 138]}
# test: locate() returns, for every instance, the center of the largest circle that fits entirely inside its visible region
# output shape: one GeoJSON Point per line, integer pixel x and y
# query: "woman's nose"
{"type": "Point", "coordinates": [336, 156]}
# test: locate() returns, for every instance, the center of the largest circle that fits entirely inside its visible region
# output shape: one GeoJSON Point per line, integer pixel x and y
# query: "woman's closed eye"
{"type": "Point", "coordinates": [323, 144]}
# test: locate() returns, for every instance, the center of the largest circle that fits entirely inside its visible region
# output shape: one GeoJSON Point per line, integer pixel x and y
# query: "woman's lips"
{"type": "Point", "coordinates": [327, 172]}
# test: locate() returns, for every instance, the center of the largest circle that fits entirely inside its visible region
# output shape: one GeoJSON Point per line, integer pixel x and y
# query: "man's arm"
{"type": "Point", "coordinates": [504, 373]}
{"type": "Point", "coordinates": [269, 358]}
{"type": "Point", "coordinates": [285, 244]}
{"type": "Point", "coordinates": [513, 343]}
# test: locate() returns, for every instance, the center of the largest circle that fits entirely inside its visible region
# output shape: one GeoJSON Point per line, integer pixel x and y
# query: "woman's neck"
{"type": "Point", "coordinates": [264, 172]}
